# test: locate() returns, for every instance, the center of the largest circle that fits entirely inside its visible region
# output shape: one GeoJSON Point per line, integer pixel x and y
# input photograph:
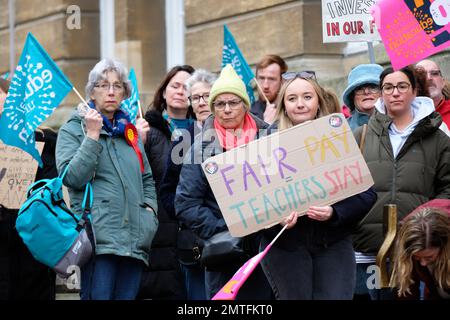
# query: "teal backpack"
{"type": "Point", "coordinates": [54, 235]}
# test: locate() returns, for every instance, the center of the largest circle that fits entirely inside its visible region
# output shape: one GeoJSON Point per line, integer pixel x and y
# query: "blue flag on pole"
{"type": "Point", "coordinates": [131, 105]}
{"type": "Point", "coordinates": [37, 88]}
{"type": "Point", "coordinates": [231, 54]}
{"type": "Point", "coordinates": [5, 76]}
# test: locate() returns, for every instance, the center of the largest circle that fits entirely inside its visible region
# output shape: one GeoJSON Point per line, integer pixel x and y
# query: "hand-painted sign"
{"type": "Point", "coordinates": [258, 184]}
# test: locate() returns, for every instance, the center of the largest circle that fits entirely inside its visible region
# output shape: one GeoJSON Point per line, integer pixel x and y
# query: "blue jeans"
{"type": "Point", "coordinates": [194, 278]}
{"type": "Point", "coordinates": [111, 277]}
{"type": "Point", "coordinates": [311, 272]}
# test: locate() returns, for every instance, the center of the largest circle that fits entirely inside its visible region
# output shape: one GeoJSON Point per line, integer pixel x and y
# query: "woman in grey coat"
{"type": "Point", "coordinates": [92, 143]}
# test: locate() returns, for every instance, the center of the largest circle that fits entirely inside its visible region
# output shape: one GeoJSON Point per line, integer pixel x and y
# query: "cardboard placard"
{"type": "Point", "coordinates": [413, 30]}
{"type": "Point", "coordinates": [314, 164]}
{"type": "Point", "coordinates": [348, 20]}
{"type": "Point", "coordinates": [17, 172]}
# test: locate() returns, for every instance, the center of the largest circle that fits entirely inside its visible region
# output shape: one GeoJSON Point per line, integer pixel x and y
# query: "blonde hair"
{"type": "Point", "coordinates": [328, 103]}
{"type": "Point", "coordinates": [427, 228]}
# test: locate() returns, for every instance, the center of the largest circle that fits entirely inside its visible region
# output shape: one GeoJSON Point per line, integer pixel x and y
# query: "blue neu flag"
{"type": "Point", "coordinates": [131, 105]}
{"type": "Point", "coordinates": [231, 54]}
{"type": "Point", "coordinates": [37, 88]}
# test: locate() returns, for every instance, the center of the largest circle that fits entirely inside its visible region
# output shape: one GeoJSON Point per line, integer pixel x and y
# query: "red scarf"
{"type": "Point", "coordinates": [227, 138]}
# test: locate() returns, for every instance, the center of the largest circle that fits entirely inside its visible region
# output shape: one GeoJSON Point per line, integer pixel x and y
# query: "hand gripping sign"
{"type": "Point", "coordinates": [314, 164]}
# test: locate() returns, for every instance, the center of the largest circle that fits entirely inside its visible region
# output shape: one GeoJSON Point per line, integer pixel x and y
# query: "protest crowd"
{"type": "Point", "coordinates": [156, 214]}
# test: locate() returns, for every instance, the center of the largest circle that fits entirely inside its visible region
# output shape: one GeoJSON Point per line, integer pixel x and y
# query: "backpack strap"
{"type": "Point", "coordinates": [86, 206]}
{"type": "Point", "coordinates": [64, 173]}
{"type": "Point", "coordinates": [87, 197]}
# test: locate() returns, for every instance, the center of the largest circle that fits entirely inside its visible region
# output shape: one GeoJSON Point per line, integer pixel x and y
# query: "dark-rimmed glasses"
{"type": "Point", "coordinates": [402, 87]}
{"type": "Point", "coordinates": [195, 99]}
{"type": "Point", "coordinates": [307, 74]}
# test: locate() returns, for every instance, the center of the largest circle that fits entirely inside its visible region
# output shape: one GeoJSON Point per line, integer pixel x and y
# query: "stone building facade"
{"type": "Point", "coordinates": [289, 28]}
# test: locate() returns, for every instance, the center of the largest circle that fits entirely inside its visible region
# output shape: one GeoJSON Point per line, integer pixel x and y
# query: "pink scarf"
{"type": "Point", "coordinates": [227, 138]}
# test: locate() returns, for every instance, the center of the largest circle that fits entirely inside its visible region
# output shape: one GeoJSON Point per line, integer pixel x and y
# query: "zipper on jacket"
{"type": "Point", "coordinates": [394, 181]}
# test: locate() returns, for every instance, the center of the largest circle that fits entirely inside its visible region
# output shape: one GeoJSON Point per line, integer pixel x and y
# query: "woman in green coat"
{"type": "Point", "coordinates": [92, 143]}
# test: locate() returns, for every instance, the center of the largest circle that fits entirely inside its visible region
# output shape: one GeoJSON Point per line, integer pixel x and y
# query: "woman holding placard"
{"type": "Point", "coordinates": [230, 126]}
{"type": "Point", "coordinates": [314, 259]}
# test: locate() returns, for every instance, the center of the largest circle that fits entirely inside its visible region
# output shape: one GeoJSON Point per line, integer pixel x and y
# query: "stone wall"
{"type": "Point", "coordinates": [289, 28]}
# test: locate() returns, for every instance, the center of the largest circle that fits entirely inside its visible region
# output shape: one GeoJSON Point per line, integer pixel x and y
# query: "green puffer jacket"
{"type": "Point", "coordinates": [122, 224]}
{"type": "Point", "coordinates": [419, 173]}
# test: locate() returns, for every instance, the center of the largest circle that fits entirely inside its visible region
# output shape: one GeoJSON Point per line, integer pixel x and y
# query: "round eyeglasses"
{"type": "Point", "coordinates": [367, 89]}
{"type": "Point", "coordinates": [195, 99]}
{"type": "Point", "coordinates": [117, 87]}
{"type": "Point", "coordinates": [233, 104]}
{"type": "Point", "coordinates": [402, 87]}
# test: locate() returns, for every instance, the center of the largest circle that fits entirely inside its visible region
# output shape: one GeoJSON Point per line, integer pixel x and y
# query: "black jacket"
{"type": "Point", "coordinates": [258, 108]}
{"type": "Point", "coordinates": [21, 276]}
{"type": "Point", "coordinates": [188, 243]}
{"type": "Point", "coordinates": [163, 279]}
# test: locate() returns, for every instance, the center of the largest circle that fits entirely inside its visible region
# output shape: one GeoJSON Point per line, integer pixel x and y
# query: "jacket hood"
{"type": "Point", "coordinates": [424, 115]}
{"type": "Point", "coordinates": [421, 106]}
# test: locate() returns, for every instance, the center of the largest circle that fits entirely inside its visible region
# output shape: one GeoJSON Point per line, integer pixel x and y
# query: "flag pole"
{"type": "Point", "coordinates": [140, 110]}
{"type": "Point", "coordinates": [261, 90]}
{"type": "Point", "coordinates": [278, 235]}
{"type": "Point", "coordinates": [79, 96]}
{"type": "Point", "coordinates": [371, 52]}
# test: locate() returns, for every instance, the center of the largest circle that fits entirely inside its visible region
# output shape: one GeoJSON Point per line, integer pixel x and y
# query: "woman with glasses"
{"type": "Point", "coordinates": [96, 147]}
{"type": "Point", "coordinates": [313, 259]}
{"type": "Point", "coordinates": [168, 116]}
{"type": "Point", "coordinates": [231, 126]}
{"type": "Point", "coordinates": [362, 92]}
{"type": "Point", "coordinates": [189, 245]}
{"type": "Point", "coordinates": [407, 155]}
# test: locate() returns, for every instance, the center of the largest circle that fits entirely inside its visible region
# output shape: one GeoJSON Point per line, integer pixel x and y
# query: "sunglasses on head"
{"type": "Point", "coordinates": [301, 74]}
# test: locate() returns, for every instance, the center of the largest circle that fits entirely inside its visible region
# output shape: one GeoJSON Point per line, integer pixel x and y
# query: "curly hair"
{"type": "Point", "coordinates": [426, 228]}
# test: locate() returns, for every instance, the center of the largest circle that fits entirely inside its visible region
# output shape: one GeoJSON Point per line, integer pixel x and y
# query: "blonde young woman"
{"type": "Point", "coordinates": [313, 259]}
{"type": "Point", "coordinates": [422, 252]}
